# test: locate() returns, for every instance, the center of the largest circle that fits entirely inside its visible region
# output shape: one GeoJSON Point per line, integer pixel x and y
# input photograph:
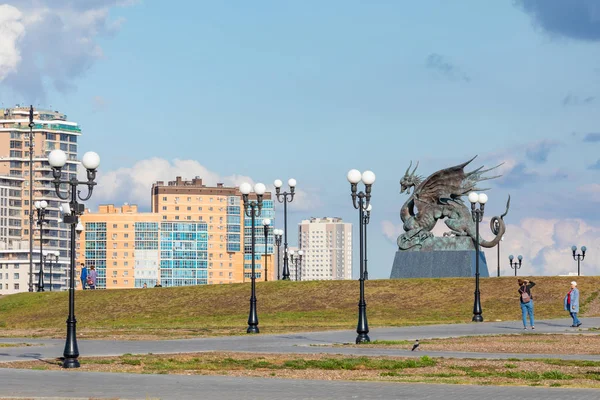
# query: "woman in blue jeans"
{"type": "Point", "coordinates": [572, 304]}
{"type": "Point", "coordinates": [526, 301]}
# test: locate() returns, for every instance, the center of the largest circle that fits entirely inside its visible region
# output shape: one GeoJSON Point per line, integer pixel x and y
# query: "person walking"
{"type": "Point", "coordinates": [92, 277]}
{"type": "Point", "coordinates": [526, 300]}
{"type": "Point", "coordinates": [84, 275]}
{"type": "Point", "coordinates": [572, 304]}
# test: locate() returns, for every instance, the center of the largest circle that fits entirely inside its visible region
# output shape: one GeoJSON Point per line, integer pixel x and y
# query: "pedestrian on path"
{"type": "Point", "coordinates": [526, 300]}
{"type": "Point", "coordinates": [84, 274]}
{"type": "Point", "coordinates": [92, 277]}
{"type": "Point", "coordinates": [572, 304]}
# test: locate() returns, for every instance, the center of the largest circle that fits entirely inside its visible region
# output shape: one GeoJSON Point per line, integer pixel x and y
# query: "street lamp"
{"type": "Point", "coordinates": [284, 198]}
{"type": "Point", "coordinates": [253, 209]}
{"type": "Point", "coordinates": [266, 223]}
{"type": "Point", "coordinates": [366, 219]}
{"type": "Point", "coordinates": [364, 198]}
{"type": "Point", "coordinates": [278, 234]}
{"type": "Point", "coordinates": [31, 125]}
{"type": "Point", "coordinates": [579, 257]}
{"type": "Point", "coordinates": [40, 207]}
{"type": "Point", "coordinates": [57, 159]}
{"type": "Point", "coordinates": [296, 261]}
{"type": "Point", "coordinates": [51, 256]}
{"type": "Point", "coordinates": [475, 199]}
{"type": "Point", "coordinates": [517, 264]}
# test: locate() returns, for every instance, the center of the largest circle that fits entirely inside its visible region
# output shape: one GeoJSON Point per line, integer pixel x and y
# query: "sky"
{"type": "Point", "coordinates": [236, 91]}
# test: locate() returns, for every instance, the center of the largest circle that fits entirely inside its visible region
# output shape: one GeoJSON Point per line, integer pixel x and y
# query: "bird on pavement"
{"type": "Point", "coordinates": [416, 345]}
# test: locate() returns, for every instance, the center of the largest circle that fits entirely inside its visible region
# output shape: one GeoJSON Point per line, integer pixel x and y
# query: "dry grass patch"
{"type": "Point", "coordinates": [520, 343]}
{"type": "Point", "coordinates": [205, 310]}
{"type": "Point", "coordinates": [541, 372]}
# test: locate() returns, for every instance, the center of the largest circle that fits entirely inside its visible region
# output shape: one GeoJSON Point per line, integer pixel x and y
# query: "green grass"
{"type": "Point", "coordinates": [283, 306]}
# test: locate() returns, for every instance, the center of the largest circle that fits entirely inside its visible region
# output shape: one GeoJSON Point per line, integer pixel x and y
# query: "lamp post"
{"type": "Point", "coordinates": [517, 264]}
{"type": "Point", "coordinates": [278, 233]}
{"type": "Point", "coordinates": [51, 256]}
{"type": "Point", "coordinates": [57, 159]}
{"type": "Point", "coordinates": [266, 223]}
{"type": "Point", "coordinates": [253, 209]}
{"type": "Point", "coordinates": [366, 219]}
{"type": "Point", "coordinates": [284, 198]}
{"type": "Point", "coordinates": [477, 213]}
{"type": "Point", "coordinates": [361, 201]}
{"type": "Point", "coordinates": [495, 225]}
{"type": "Point", "coordinates": [40, 207]}
{"type": "Point", "coordinates": [31, 124]}
{"type": "Point", "coordinates": [578, 257]}
{"type": "Point", "coordinates": [297, 260]}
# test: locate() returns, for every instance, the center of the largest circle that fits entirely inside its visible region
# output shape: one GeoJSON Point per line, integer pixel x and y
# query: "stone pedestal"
{"type": "Point", "coordinates": [427, 262]}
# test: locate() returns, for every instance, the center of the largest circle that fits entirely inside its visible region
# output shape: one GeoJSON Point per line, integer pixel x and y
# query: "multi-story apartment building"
{"type": "Point", "coordinates": [14, 271]}
{"type": "Point", "coordinates": [51, 130]}
{"type": "Point", "coordinates": [193, 235]}
{"type": "Point", "coordinates": [327, 246]}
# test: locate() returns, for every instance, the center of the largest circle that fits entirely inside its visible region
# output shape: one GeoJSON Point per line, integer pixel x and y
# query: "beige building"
{"type": "Point", "coordinates": [51, 130]}
{"type": "Point", "coordinates": [194, 234]}
{"type": "Point", "coordinates": [327, 246]}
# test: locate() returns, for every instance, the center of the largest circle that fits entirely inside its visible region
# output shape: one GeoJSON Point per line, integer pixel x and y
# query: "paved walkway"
{"type": "Point", "coordinates": [79, 385]}
{"type": "Point", "coordinates": [313, 342]}
{"type": "Point", "coordinates": [73, 384]}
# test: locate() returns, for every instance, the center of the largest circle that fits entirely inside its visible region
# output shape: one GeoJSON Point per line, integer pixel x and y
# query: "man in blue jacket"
{"type": "Point", "coordinates": [83, 276]}
{"type": "Point", "coordinates": [572, 304]}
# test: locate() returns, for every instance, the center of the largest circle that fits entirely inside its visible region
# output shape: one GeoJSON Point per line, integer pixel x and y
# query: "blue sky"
{"type": "Point", "coordinates": [278, 89]}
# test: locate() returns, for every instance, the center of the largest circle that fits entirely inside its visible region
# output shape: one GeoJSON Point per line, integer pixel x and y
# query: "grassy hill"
{"type": "Point", "coordinates": [282, 306]}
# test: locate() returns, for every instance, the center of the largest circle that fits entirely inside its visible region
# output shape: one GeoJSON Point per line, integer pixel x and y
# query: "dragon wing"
{"type": "Point", "coordinates": [450, 184]}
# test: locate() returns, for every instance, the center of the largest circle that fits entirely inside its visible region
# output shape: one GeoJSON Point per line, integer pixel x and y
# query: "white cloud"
{"type": "Point", "coordinates": [545, 245]}
{"type": "Point", "coordinates": [133, 184]}
{"type": "Point", "coordinates": [53, 40]}
{"type": "Point", "coordinates": [11, 31]}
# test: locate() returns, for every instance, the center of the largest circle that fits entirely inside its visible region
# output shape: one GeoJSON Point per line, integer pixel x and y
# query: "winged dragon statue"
{"type": "Point", "coordinates": [440, 197]}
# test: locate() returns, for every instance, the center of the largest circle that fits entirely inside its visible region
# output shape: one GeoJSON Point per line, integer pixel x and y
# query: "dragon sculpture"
{"type": "Point", "coordinates": [440, 197]}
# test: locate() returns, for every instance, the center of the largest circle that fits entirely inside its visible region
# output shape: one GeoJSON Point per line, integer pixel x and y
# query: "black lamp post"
{"type": "Point", "coordinates": [40, 207]}
{"type": "Point", "coordinates": [31, 125]}
{"type": "Point", "coordinates": [517, 264]}
{"type": "Point", "coordinates": [297, 261]}
{"type": "Point", "coordinates": [366, 219]}
{"type": "Point", "coordinates": [578, 257]}
{"type": "Point", "coordinates": [477, 213]}
{"type": "Point", "coordinates": [57, 159]}
{"type": "Point", "coordinates": [364, 198]}
{"type": "Point", "coordinates": [495, 225]}
{"type": "Point", "coordinates": [284, 198]}
{"type": "Point", "coordinates": [253, 209]}
{"type": "Point", "coordinates": [278, 234]}
{"type": "Point", "coordinates": [266, 223]}
{"type": "Point", "coordinates": [51, 256]}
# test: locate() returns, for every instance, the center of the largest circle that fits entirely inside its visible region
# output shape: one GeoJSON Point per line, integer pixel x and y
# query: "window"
{"type": "Point", "coordinates": [126, 226]}
{"type": "Point", "coordinates": [176, 208]}
{"type": "Point", "coordinates": [126, 263]}
{"type": "Point", "coordinates": [16, 275]}
{"type": "Point", "coordinates": [125, 273]}
{"type": "Point", "coordinates": [115, 226]}
{"type": "Point", "coordinates": [177, 217]}
{"type": "Point", "coordinates": [164, 199]}
{"type": "Point", "coordinates": [126, 245]}
{"type": "Point", "coordinates": [114, 273]}
{"type": "Point", "coordinates": [164, 208]}
{"type": "Point", "coordinates": [114, 245]}
{"type": "Point", "coordinates": [114, 282]}
{"type": "Point", "coordinates": [189, 199]}
{"type": "Point", "coordinates": [126, 235]}
{"type": "Point", "coordinates": [189, 208]}
{"type": "Point", "coordinates": [16, 286]}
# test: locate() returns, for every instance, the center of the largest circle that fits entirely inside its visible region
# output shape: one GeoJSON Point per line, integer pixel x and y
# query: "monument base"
{"type": "Point", "coordinates": [438, 264]}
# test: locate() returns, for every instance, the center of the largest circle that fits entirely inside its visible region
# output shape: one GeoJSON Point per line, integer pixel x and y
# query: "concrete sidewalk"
{"type": "Point", "coordinates": [313, 342]}
{"type": "Point", "coordinates": [70, 384]}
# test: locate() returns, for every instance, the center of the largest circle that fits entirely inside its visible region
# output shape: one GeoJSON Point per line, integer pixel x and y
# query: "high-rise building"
{"type": "Point", "coordinates": [51, 130]}
{"type": "Point", "coordinates": [193, 235]}
{"type": "Point", "coordinates": [327, 246]}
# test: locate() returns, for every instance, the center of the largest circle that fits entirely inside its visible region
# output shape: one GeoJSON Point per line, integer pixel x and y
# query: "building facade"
{"type": "Point", "coordinates": [51, 130]}
{"type": "Point", "coordinates": [327, 246]}
{"type": "Point", "coordinates": [193, 235]}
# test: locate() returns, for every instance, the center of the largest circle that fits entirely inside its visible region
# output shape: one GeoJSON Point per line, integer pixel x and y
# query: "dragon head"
{"type": "Point", "coordinates": [409, 180]}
